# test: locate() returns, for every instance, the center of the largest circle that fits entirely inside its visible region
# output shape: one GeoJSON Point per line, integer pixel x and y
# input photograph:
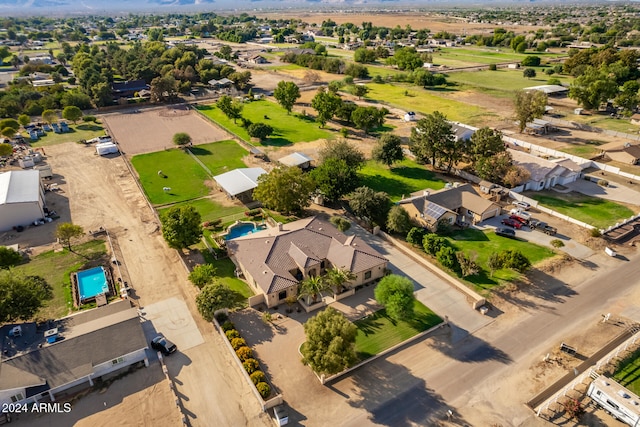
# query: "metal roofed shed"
{"type": "Point", "coordinates": [239, 183]}
{"type": "Point", "coordinates": [552, 90]}
{"type": "Point", "coordinates": [21, 198]}
{"type": "Point", "coordinates": [296, 159]}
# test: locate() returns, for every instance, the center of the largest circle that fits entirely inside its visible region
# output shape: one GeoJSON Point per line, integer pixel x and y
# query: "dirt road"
{"type": "Point", "coordinates": [101, 192]}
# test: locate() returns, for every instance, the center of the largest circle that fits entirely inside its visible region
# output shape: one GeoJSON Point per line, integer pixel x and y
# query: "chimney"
{"type": "Point", "coordinates": [425, 194]}
{"type": "Point", "coordinates": [279, 226]}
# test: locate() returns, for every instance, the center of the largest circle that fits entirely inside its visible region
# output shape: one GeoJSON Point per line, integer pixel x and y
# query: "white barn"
{"type": "Point", "coordinates": [21, 198]}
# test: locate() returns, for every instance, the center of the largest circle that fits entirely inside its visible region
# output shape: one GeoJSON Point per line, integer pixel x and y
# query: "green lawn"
{"type": "Point", "coordinates": [56, 268]}
{"type": "Point", "coordinates": [505, 80]}
{"type": "Point", "coordinates": [209, 209]}
{"type": "Point", "coordinates": [427, 101]}
{"type": "Point", "coordinates": [288, 128]}
{"type": "Point", "coordinates": [628, 374]}
{"type": "Point", "coordinates": [76, 133]}
{"type": "Point", "coordinates": [598, 212]}
{"type": "Point", "coordinates": [481, 244]}
{"type": "Point", "coordinates": [378, 332]}
{"type": "Point", "coordinates": [183, 174]}
{"type": "Point", "coordinates": [484, 55]}
{"type": "Point", "coordinates": [222, 156]}
{"type": "Point", "coordinates": [586, 151]}
{"type": "Point", "coordinates": [225, 274]}
{"type": "Point", "coordinates": [401, 180]}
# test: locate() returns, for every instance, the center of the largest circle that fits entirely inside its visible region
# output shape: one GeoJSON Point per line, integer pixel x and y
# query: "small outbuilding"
{"type": "Point", "coordinates": [21, 198]}
{"type": "Point", "coordinates": [296, 159]}
{"type": "Point", "coordinates": [240, 183]}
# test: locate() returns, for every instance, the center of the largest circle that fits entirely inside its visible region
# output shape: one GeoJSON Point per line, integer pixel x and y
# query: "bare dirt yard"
{"type": "Point", "coordinates": [146, 131]}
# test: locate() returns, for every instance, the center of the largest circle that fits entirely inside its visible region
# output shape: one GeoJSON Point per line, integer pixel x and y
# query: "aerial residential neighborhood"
{"type": "Point", "coordinates": [357, 216]}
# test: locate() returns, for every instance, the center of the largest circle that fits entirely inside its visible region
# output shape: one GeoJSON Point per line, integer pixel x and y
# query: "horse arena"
{"type": "Point", "coordinates": [146, 131]}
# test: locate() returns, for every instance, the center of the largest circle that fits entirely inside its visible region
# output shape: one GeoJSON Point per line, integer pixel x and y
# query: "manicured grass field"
{"type": "Point", "coordinates": [503, 79]}
{"type": "Point", "coordinates": [378, 332]}
{"type": "Point", "coordinates": [184, 175]}
{"type": "Point", "coordinates": [56, 268]}
{"type": "Point", "coordinates": [225, 269]}
{"type": "Point", "coordinates": [427, 101]}
{"type": "Point", "coordinates": [403, 178]}
{"type": "Point", "coordinates": [481, 244]}
{"type": "Point", "coordinates": [598, 212]}
{"type": "Point", "coordinates": [629, 374]}
{"type": "Point", "coordinates": [288, 128]}
{"type": "Point", "coordinates": [209, 209]}
{"type": "Point", "coordinates": [485, 55]}
{"type": "Point", "coordinates": [76, 133]}
{"type": "Point", "coordinates": [583, 150]}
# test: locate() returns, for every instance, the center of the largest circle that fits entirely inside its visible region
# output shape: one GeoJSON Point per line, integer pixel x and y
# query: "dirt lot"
{"type": "Point", "coordinates": [153, 129]}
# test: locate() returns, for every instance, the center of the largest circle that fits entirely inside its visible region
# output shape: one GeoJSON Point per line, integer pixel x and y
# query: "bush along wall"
{"type": "Point", "coordinates": [245, 354]}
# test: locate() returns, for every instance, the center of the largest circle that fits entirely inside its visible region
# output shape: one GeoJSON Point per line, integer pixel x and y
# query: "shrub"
{"type": "Point", "coordinates": [415, 236]}
{"type": "Point", "coordinates": [432, 243]}
{"type": "Point", "coordinates": [515, 259]}
{"type": "Point", "coordinates": [250, 365]}
{"type": "Point", "coordinates": [244, 353]}
{"type": "Point", "coordinates": [236, 343]}
{"type": "Point", "coordinates": [446, 256]}
{"type": "Point", "coordinates": [253, 212]}
{"type": "Point", "coordinates": [341, 224]}
{"type": "Point", "coordinates": [222, 318]}
{"type": "Point", "coordinates": [263, 389]}
{"type": "Point", "coordinates": [258, 377]}
{"type": "Point", "coordinates": [557, 243]}
{"type": "Point", "coordinates": [344, 132]}
{"type": "Point", "coordinates": [227, 326]}
{"type": "Point", "coordinates": [88, 119]}
{"type": "Point", "coordinates": [574, 409]}
{"type": "Point", "coordinates": [266, 317]}
{"type": "Point", "coordinates": [231, 334]}
{"type": "Point", "coordinates": [595, 232]}
{"type": "Point", "coordinates": [377, 79]}
{"type": "Point", "coordinates": [603, 183]}
{"type": "Point", "coordinates": [493, 67]}
{"type": "Point", "coordinates": [259, 130]}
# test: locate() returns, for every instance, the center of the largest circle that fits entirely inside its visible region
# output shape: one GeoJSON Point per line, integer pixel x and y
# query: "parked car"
{"type": "Point", "coordinates": [521, 220]}
{"type": "Point", "coordinates": [522, 205]}
{"type": "Point", "coordinates": [512, 223]}
{"type": "Point", "coordinates": [160, 343]}
{"type": "Point", "coordinates": [544, 227]}
{"type": "Point", "coordinates": [521, 213]}
{"type": "Point", "coordinates": [505, 232]}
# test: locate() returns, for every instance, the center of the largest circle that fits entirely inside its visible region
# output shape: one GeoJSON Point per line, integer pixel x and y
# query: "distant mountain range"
{"type": "Point", "coordinates": [85, 7]}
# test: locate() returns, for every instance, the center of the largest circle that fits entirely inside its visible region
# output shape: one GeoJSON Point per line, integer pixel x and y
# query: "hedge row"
{"type": "Point", "coordinates": [245, 354]}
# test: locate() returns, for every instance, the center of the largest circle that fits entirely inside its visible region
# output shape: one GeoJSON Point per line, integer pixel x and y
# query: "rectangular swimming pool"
{"type": "Point", "coordinates": [92, 282]}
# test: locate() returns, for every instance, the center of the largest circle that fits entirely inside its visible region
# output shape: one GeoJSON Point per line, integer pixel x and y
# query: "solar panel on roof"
{"type": "Point", "coordinates": [434, 211]}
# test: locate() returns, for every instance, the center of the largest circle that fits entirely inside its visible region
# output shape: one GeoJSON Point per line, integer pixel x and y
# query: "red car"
{"type": "Point", "coordinates": [512, 223]}
{"type": "Point", "coordinates": [519, 219]}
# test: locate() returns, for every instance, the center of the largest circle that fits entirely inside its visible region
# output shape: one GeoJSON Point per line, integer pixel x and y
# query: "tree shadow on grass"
{"type": "Point", "coordinates": [276, 142]}
{"type": "Point", "coordinates": [394, 397]}
{"type": "Point", "coordinates": [89, 127]}
{"type": "Point", "coordinates": [391, 186]}
{"type": "Point", "coordinates": [199, 151]}
{"type": "Point", "coordinates": [413, 172]}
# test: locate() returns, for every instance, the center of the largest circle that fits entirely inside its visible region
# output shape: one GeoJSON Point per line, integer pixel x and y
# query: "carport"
{"type": "Point", "coordinates": [239, 183]}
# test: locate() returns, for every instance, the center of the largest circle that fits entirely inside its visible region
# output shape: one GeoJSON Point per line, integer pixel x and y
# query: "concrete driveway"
{"type": "Point", "coordinates": [571, 247]}
{"type": "Point", "coordinates": [614, 192]}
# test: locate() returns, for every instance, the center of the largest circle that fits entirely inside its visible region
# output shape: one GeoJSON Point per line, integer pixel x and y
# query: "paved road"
{"type": "Point", "coordinates": [616, 192]}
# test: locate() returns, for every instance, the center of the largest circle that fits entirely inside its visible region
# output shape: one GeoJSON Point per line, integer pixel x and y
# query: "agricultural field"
{"type": "Point", "coordinates": [413, 98]}
{"type": "Point", "coordinates": [182, 173]}
{"type": "Point", "coordinates": [288, 128]}
{"type": "Point", "coordinates": [56, 269]}
{"type": "Point", "coordinates": [400, 180]}
{"type": "Point", "coordinates": [481, 244]}
{"type": "Point", "coordinates": [595, 211]}
{"type": "Point", "coordinates": [378, 332]}
{"type": "Point", "coordinates": [502, 80]}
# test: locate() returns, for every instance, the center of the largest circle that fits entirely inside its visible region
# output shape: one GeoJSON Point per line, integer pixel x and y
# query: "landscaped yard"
{"type": "Point", "coordinates": [288, 128]}
{"type": "Point", "coordinates": [225, 274]}
{"type": "Point", "coordinates": [482, 244]}
{"type": "Point", "coordinates": [401, 180]}
{"type": "Point", "coordinates": [184, 176]}
{"type": "Point", "coordinates": [595, 211]}
{"type": "Point", "coordinates": [629, 374]}
{"type": "Point", "coordinates": [56, 268]}
{"type": "Point", "coordinates": [209, 209]}
{"type": "Point", "coordinates": [76, 133]}
{"type": "Point", "coordinates": [427, 101]}
{"type": "Point", "coordinates": [378, 332]}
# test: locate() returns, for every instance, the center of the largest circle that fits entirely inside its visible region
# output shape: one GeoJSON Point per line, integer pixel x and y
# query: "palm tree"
{"type": "Point", "coordinates": [336, 277]}
{"type": "Point", "coordinates": [312, 286]}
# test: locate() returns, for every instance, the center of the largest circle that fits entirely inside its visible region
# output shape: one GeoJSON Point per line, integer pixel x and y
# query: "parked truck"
{"type": "Point", "coordinates": [106, 148]}
{"type": "Point", "coordinates": [615, 399]}
{"type": "Point", "coordinates": [543, 226]}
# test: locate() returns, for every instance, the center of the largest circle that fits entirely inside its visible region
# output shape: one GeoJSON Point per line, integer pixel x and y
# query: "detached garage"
{"type": "Point", "coordinates": [21, 198]}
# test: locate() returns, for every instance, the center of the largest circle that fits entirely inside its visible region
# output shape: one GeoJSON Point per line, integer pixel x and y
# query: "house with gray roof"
{"type": "Point", "coordinates": [275, 260]}
{"type": "Point", "coordinates": [545, 173]}
{"type": "Point", "coordinates": [459, 204]}
{"type": "Point", "coordinates": [88, 346]}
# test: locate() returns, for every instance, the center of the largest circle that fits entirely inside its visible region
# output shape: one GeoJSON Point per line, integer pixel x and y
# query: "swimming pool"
{"type": "Point", "coordinates": [242, 229]}
{"type": "Point", "coordinates": [92, 282]}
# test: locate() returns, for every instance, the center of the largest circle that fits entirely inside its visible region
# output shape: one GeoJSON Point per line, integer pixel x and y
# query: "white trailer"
{"type": "Point", "coordinates": [106, 148]}
{"type": "Point", "coordinates": [622, 404]}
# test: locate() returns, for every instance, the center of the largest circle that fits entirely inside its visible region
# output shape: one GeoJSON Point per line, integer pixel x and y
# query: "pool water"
{"type": "Point", "coordinates": [92, 282]}
{"type": "Point", "coordinates": [242, 230]}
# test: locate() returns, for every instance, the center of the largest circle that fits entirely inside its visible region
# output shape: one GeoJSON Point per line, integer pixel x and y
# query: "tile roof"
{"type": "Point", "coordinates": [434, 205]}
{"type": "Point", "coordinates": [270, 255]}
